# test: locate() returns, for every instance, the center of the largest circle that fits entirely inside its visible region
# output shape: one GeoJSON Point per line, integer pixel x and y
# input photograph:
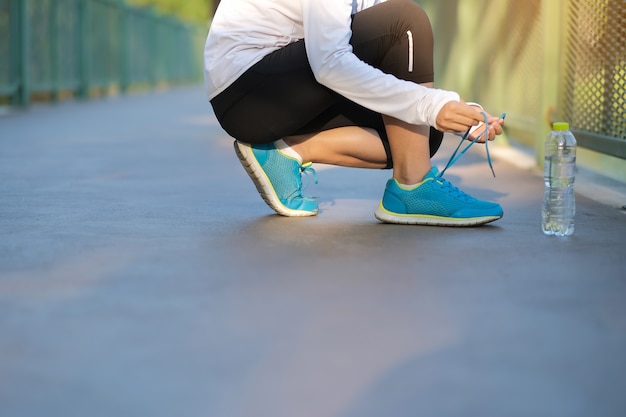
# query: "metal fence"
{"type": "Point", "coordinates": [78, 47]}
{"type": "Point", "coordinates": [539, 60]}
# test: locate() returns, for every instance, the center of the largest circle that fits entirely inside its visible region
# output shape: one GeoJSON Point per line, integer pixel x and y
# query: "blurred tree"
{"type": "Point", "coordinates": [198, 11]}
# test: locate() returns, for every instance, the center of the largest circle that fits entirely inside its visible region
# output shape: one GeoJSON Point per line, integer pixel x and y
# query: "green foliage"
{"type": "Point", "coordinates": [197, 11]}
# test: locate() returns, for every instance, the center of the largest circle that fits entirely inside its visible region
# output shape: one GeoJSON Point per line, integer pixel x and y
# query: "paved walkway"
{"type": "Point", "coordinates": [141, 275]}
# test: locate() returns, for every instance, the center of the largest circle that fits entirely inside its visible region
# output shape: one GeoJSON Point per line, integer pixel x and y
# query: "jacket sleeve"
{"type": "Point", "coordinates": [327, 33]}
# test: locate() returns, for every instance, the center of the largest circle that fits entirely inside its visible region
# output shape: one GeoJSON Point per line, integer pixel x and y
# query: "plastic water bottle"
{"type": "Point", "coordinates": [559, 205]}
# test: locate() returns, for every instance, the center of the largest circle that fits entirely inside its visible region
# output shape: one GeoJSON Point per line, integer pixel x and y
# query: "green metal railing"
{"type": "Point", "coordinates": [50, 47]}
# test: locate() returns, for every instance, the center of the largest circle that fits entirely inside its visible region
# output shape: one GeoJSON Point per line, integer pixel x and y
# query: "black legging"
{"type": "Point", "coordinates": [280, 97]}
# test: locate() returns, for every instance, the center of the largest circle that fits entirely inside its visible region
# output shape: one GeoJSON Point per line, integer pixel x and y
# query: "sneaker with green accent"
{"type": "Point", "coordinates": [278, 178]}
{"type": "Point", "coordinates": [434, 201]}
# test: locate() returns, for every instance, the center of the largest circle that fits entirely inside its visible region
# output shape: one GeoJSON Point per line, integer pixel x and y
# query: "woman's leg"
{"type": "Point", "coordinates": [349, 146]}
{"type": "Point", "coordinates": [409, 150]}
{"type": "Point", "coordinates": [397, 38]}
{"type": "Point", "coordinates": [358, 147]}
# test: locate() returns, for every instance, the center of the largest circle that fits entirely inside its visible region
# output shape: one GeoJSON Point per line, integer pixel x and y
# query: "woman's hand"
{"type": "Point", "coordinates": [494, 129]}
{"type": "Point", "coordinates": [459, 116]}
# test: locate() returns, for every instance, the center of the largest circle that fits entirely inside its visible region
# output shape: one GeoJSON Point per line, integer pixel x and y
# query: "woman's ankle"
{"type": "Point", "coordinates": [288, 150]}
{"type": "Point", "coordinates": [411, 177]}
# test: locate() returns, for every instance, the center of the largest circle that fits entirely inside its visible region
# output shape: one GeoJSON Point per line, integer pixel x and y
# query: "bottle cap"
{"type": "Point", "coordinates": [560, 126]}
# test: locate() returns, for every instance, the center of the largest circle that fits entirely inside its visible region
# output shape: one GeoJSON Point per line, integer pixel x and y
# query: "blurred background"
{"type": "Point", "coordinates": [539, 61]}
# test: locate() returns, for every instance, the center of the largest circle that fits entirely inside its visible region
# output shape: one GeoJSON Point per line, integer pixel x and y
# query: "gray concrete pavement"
{"type": "Point", "coordinates": [141, 275]}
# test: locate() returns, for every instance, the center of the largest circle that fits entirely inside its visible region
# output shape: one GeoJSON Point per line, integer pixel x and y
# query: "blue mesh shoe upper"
{"type": "Point", "coordinates": [435, 196]}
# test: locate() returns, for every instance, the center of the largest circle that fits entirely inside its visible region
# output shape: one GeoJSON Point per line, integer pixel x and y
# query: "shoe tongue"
{"type": "Point", "coordinates": [432, 173]}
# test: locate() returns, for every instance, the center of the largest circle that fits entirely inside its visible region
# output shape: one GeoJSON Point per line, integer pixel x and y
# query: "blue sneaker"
{"type": "Point", "coordinates": [278, 178]}
{"type": "Point", "coordinates": [434, 201]}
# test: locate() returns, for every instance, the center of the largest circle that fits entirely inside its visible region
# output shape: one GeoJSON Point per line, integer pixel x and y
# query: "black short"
{"type": "Point", "coordinates": [280, 97]}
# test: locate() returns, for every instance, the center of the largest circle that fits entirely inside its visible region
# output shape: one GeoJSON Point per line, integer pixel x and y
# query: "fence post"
{"type": "Point", "coordinates": [84, 50]}
{"type": "Point", "coordinates": [153, 47]}
{"type": "Point", "coordinates": [124, 47]}
{"type": "Point", "coordinates": [22, 96]}
{"type": "Point", "coordinates": [53, 45]}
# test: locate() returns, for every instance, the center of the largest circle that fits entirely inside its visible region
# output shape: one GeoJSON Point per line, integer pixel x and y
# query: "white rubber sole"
{"type": "Point", "coordinates": [263, 184]}
{"type": "Point", "coordinates": [427, 220]}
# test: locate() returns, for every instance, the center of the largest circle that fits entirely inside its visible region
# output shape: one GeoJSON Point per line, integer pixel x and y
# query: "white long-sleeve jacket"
{"type": "Point", "coordinates": [244, 31]}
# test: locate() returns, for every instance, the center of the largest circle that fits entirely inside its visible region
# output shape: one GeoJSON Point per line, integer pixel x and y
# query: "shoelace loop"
{"type": "Point", "coordinates": [454, 157]}
{"type": "Point", "coordinates": [306, 169]}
